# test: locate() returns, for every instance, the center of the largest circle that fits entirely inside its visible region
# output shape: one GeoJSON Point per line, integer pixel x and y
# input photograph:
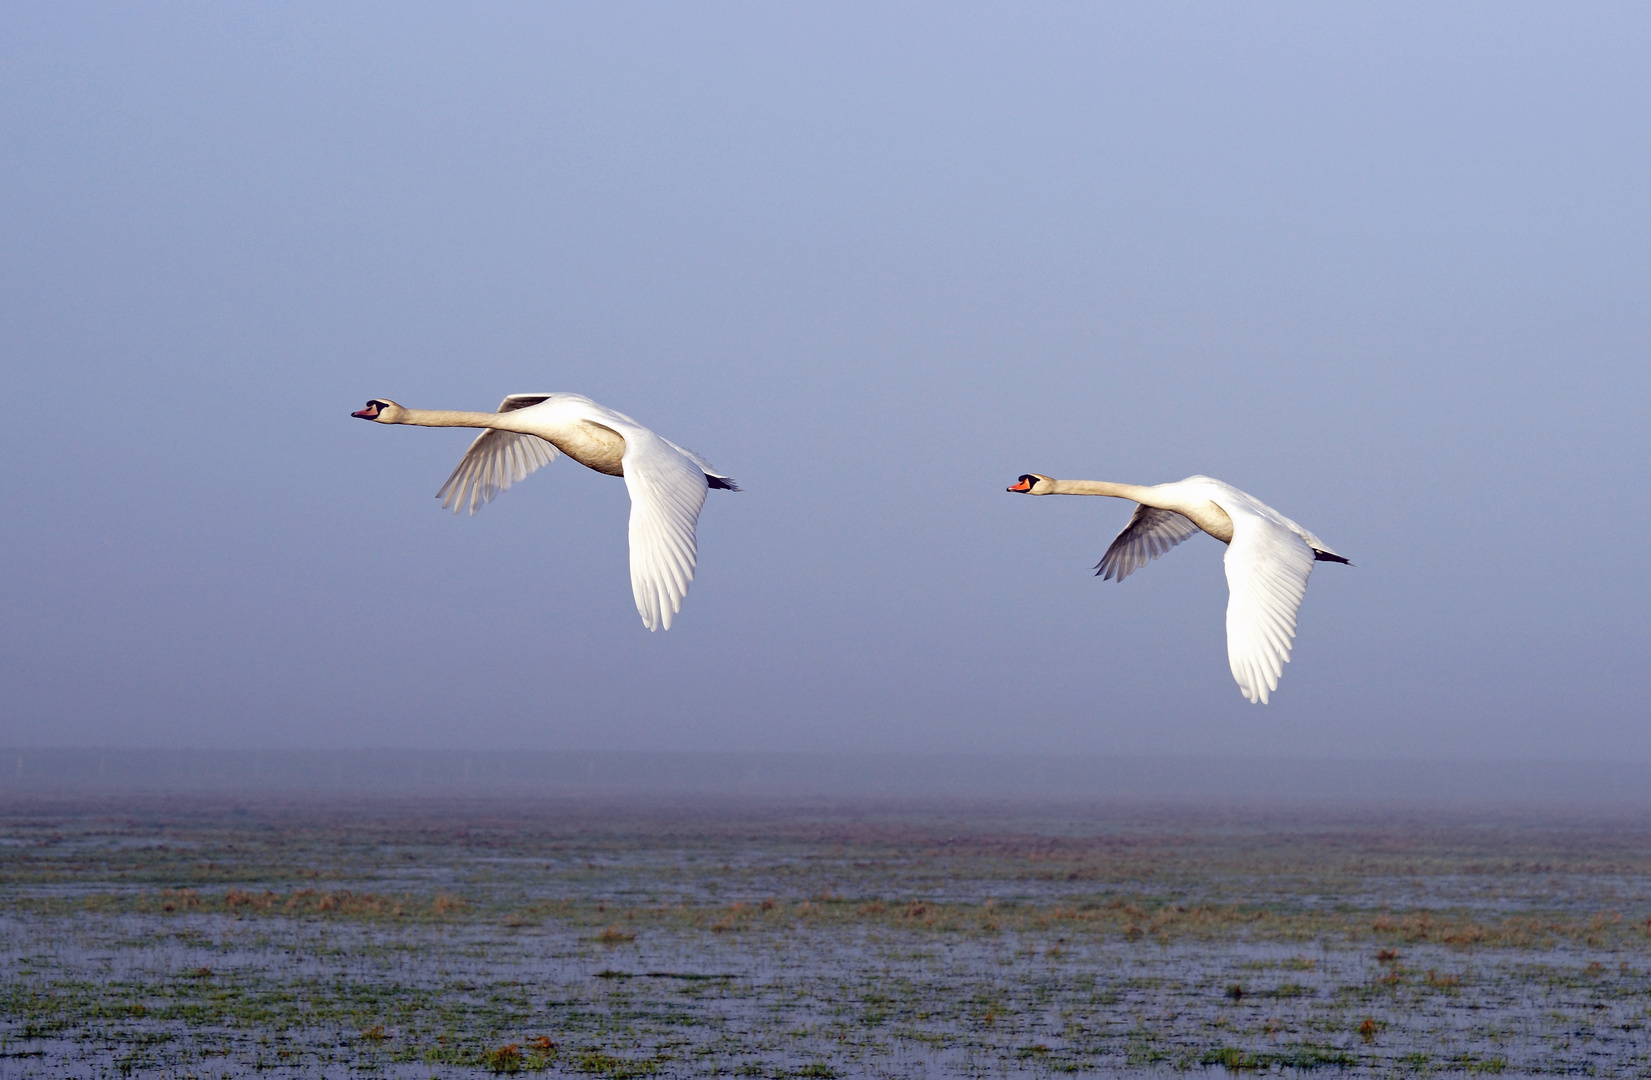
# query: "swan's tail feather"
{"type": "Point", "coordinates": [713, 478]}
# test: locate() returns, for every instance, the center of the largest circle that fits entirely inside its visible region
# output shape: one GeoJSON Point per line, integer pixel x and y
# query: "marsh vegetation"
{"type": "Point", "coordinates": [399, 938]}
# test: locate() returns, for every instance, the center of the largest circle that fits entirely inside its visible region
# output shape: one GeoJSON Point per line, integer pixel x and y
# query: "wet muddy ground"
{"type": "Point", "coordinates": [210, 938]}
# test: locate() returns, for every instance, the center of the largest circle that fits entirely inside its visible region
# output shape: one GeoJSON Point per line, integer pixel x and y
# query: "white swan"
{"type": "Point", "coordinates": [1268, 560]}
{"type": "Point", "coordinates": [667, 483]}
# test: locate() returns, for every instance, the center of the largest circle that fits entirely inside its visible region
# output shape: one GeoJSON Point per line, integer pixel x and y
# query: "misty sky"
{"type": "Point", "coordinates": [1386, 267]}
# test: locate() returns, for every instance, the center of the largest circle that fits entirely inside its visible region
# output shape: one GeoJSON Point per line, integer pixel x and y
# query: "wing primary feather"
{"type": "Point", "coordinates": [667, 487]}
{"type": "Point", "coordinates": [496, 460]}
{"type": "Point", "coordinates": [1267, 568]}
{"type": "Point", "coordinates": [1150, 533]}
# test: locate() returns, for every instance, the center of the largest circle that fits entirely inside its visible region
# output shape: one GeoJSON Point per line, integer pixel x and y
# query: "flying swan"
{"type": "Point", "coordinates": [1268, 559]}
{"type": "Point", "coordinates": [666, 482]}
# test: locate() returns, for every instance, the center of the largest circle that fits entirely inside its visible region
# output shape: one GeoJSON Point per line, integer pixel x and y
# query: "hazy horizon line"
{"type": "Point", "coordinates": [1018, 775]}
{"type": "Point", "coordinates": [985, 752]}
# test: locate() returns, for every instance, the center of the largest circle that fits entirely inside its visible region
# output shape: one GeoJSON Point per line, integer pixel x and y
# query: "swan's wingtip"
{"type": "Point", "coordinates": [721, 483]}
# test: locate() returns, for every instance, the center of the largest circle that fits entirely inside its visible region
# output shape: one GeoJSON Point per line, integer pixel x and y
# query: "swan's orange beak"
{"type": "Point", "coordinates": [1018, 485]}
{"type": "Point", "coordinates": [369, 413]}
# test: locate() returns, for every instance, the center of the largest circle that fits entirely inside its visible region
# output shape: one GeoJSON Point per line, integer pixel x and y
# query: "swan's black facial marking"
{"type": "Point", "coordinates": [1026, 483]}
{"type": "Point", "coordinates": [371, 411]}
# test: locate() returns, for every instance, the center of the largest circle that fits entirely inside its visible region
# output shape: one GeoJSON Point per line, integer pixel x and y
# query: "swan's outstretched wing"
{"type": "Point", "coordinates": [496, 460]}
{"type": "Point", "coordinates": [1149, 534]}
{"type": "Point", "coordinates": [667, 490]}
{"type": "Point", "coordinates": [1267, 568]}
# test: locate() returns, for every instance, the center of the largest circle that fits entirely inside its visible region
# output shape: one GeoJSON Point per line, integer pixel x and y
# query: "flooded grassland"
{"type": "Point", "coordinates": [206, 938]}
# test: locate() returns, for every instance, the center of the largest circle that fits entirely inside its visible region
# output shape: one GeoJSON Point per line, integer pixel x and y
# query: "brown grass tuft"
{"type": "Point", "coordinates": [506, 1059]}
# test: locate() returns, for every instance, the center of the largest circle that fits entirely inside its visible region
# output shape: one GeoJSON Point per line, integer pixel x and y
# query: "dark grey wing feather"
{"type": "Point", "coordinates": [1149, 534]}
{"type": "Point", "coordinates": [521, 401]}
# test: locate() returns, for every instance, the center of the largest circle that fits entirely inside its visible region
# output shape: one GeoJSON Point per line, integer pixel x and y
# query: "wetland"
{"type": "Point", "coordinates": [212, 936]}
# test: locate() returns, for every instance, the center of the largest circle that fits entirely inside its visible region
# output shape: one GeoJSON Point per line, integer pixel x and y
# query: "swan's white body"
{"type": "Point", "coordinates": [1269, 558]}
{"type": "Point", "coordinates": [667, 484]}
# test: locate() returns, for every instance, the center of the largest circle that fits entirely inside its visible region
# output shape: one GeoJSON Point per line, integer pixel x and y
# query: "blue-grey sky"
{"type": "Point", "coordinates": [1387, 267]}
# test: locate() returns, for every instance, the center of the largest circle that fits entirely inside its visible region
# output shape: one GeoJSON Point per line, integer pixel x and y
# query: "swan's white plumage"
{"type": "Point", "coordinates": [667, 484]}
{"type": "Point", "coordinates": [667, 490]}
{"type": "Point", "coordinates": [705, 466]}
{"type": "Point", "coordinates": [1268, 561]}
{"type": "Point", "coordinates": [667, 487]}
{"type": "Point", "coordinates": [1267, 566]}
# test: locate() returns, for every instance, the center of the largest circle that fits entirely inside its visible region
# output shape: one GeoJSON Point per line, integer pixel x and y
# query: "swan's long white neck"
{"type": "Point", "coordinates": [444, 418]}
{"type": "Point", "coordinates": [1133, 492]}
{"type": "Point", "coordinates": [1203, 513]}
{"type": "Point", "coordinates": [591, 444]}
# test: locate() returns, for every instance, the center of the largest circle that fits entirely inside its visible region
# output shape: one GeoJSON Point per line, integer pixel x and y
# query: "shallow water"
{"type": "Point", "coordinates": [208, 939]}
